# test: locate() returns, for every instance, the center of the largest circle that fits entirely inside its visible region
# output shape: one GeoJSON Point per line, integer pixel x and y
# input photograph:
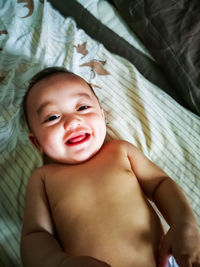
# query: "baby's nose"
{"type": "Point", "coordinates": [72, 123]}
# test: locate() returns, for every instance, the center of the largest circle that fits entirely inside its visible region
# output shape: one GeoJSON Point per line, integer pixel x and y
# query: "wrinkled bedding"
{"type": "Point", "coordinates": [170, 30]}
{"type": "Point", "coordinates": [34, 35]}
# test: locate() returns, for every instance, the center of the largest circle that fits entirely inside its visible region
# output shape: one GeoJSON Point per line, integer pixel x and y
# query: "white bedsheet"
{"type": "Point", "coordinates": [37, 36]}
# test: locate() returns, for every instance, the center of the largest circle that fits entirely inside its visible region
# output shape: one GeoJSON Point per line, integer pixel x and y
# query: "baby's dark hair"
{"type": "Point", "coordinates": [45, 73]}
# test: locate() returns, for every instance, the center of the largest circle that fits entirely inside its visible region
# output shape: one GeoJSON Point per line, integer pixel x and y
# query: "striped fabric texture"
{"type": "Point", "coordinates": [36, 36]}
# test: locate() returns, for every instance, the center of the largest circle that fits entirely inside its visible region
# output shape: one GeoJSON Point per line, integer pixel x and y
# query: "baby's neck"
{"type": "Point", "coordinates": [47, 160]}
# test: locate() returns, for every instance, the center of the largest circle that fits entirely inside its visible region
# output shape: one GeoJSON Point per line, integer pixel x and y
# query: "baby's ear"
{"type": "Point", "coordinates": [35, 142]}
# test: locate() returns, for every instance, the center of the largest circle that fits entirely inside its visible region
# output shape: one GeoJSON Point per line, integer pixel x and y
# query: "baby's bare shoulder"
{"type": "Point", "coordinates": [38, 171]}
{"type": "Point", "coordinates": [45, 169]}
{"type": "Point", "coordinates": [120, 145]}
{"type": "Point", "coordinates": [38, 177]}
{"type": "Point", "coordinates": [35, 176]}
{"type": "Point", "coordinates": [38, 174]}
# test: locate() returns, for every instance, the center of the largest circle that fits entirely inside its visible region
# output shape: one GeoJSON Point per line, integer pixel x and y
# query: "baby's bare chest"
{"type": "Point", "coordinates": [93, 188]}
{"type": "Point", "coordinates": [78, 190]}
{"type": "Point", "coordinates": [96, 206]}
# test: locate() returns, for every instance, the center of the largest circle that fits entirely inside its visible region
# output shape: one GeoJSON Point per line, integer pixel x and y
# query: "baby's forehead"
{"type": "Point", "coordinates": [60, 82]}
{"type": "Point", "coordinates": [57, 78]}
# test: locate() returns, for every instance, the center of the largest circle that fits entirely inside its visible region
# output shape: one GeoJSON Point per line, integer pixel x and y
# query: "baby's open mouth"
{"type": "Point", "coordinates": [78, 139]}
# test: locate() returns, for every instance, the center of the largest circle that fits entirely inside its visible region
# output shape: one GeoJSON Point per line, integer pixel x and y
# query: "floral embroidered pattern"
{"type": "Point", "coordinates": [81, 49]}
{"type": "Point", "coordinates": [29, 4]}
{"type": "Point", "coordinates": [97, 66]}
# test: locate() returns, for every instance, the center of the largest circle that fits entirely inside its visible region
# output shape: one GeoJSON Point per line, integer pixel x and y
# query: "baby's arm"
{"type": "Point", "coordinates": [183, 238]}
{"type": "Point", "coordinates": [39, 246]}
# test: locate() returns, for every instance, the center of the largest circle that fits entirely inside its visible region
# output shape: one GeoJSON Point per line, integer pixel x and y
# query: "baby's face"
{"type": "Point", "coordinates": [66, 119]}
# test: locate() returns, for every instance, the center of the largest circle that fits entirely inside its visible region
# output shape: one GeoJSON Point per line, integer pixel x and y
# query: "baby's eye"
{"type": "Point", "coordinates": [53, 117]}
{"type": "Point", "coordinates": [83, 107]}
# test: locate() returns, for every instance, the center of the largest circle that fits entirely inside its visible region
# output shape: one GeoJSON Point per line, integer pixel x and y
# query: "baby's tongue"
{"type": "Point", "coordinates": [77, 138]}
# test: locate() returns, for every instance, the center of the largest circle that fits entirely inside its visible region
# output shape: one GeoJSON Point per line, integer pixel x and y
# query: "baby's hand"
{"type": "Point", "coordinates": [183, 242]}
{"type": "Point", "coordinates": [83, 261]}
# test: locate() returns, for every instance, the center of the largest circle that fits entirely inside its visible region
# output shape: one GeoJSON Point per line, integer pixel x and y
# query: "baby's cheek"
{"type": "Point", "coordinates": [51, 139]}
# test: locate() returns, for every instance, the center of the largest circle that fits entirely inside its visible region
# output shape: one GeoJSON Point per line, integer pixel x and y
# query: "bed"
{"type": "Point", "coordinates": [146, 77]}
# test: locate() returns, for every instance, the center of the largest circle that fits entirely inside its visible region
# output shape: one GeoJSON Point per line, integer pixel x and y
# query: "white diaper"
{"type": "Point", "coordinates": [172, 262]}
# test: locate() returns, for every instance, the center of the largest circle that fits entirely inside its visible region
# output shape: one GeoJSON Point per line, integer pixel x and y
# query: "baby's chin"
{"type": "Point", "coordinates": [79, 160]}
{"type": "Point", "coordinates": [71, 161]}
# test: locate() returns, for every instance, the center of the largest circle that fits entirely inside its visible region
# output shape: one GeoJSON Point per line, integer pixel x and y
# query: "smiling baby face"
{"type": "Point", "coordinates": [66, 120]}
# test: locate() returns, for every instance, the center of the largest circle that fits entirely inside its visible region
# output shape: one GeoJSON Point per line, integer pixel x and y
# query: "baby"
{"type": "Point", "coordinates": [88, 206]}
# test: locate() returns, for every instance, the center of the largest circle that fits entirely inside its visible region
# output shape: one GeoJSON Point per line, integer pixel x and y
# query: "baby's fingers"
{"type": "Point", "coordinates": [186, 260]}
{"type": "Point", "coordinates": [188, 255]}
{"type": "Point", "coordinates": [183, 261]}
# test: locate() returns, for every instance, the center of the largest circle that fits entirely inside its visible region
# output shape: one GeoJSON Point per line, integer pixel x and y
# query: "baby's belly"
{"type": "Point", "coordinates": [121, 234]}
{"type": "Point", "coordinates": [133, 246]}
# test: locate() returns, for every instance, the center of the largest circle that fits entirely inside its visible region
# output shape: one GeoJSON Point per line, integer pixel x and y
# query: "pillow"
{"type": "Point", "coordinates": [170, 31]}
